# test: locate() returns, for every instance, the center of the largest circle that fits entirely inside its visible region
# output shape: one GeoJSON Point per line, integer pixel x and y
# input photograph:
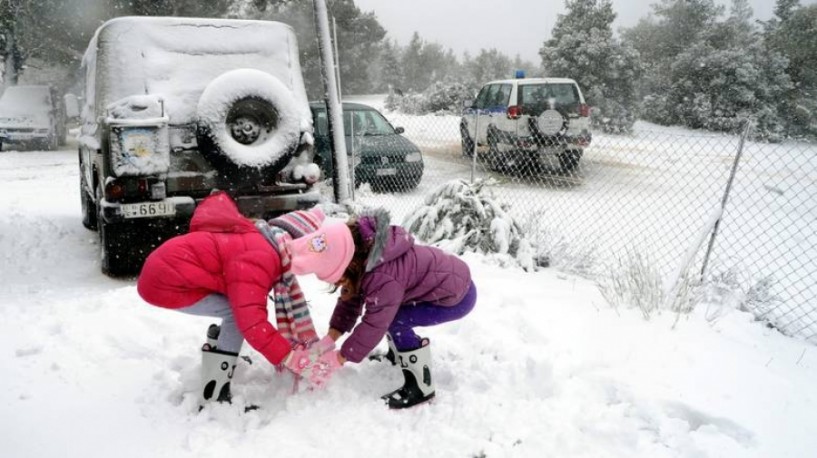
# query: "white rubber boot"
{"type": "Point", "coordinates": [392, 354]}
{"type": "Point", "coordinates": [389, 356]}
{"type": "Point", "coordinates": [217, 368]}
{"type": "Point", "coordinates": [418, 386]}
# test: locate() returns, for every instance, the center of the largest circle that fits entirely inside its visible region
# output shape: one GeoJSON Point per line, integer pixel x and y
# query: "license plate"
{"type": "Point", "coordinates": [148, 209]}
{"type": "Point", "coordinates": [386, 172]}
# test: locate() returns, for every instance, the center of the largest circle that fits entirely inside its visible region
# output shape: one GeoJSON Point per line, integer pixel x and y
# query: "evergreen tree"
{"type": "Point", "coordinates": [412, 63]}
{"type": "Point", "coordinates": [784, 8]}
{"type": "Point", "coordinates": [711, 74]}
{"type": "Point", "coordinates": [582, 47]}
{"type": "Point", "coordinates": [489, 64]}
{"type": "Point", "coordinates": [389, 75]}
{"type": "Point", "coordinates": [359, 39]}
{"type": "Point", "coordinates": [793, 35]}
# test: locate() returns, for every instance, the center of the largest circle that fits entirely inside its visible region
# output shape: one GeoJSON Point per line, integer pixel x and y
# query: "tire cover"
{"type": "Point", "coordinates": [550, 122]}
{"type": "Point", "coordinates": [220, 95]}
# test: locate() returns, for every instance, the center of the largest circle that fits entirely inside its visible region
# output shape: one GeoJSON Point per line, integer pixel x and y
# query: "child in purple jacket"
{"type": "Point", "coordinates": [397, 286]}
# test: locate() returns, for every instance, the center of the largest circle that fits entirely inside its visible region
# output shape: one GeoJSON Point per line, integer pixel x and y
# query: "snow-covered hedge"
{"type": "Point", "coordinates": [461, 217]}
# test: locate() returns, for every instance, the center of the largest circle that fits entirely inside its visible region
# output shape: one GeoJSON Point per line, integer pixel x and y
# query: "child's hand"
{"type": "Point", "coordinates": [300, 359]}
{"type": "Point", "coordinates": [327, 343]}
{"type": "Point", "coordinates": [323, 369]}
{"type": "Point", "coordinates": [302, 356]}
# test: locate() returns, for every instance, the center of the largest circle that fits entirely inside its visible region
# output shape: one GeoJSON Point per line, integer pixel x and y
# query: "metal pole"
{"type": "Point", "coordinates": [476, 142]}
{"type": "Point", "coordinates": [725, 197]}
{"type": "Point", "coordinates": [334, 109]}
{"type": "Point", "coordinates": [340, 100]}
{"type": "Point", "coordinates": [337, 57]}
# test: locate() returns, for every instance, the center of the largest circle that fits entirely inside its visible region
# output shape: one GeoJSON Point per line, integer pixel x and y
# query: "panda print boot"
{"type": "Point", "coordinates": [418, 386]}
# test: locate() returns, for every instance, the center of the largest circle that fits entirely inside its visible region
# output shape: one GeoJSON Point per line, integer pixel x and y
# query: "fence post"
{"type": "Point", "coordinates": [726, 192]}
{"type": "Point", "coordinates": [334, 109]}
{"type": "Point", "coordinates": [476, 142]}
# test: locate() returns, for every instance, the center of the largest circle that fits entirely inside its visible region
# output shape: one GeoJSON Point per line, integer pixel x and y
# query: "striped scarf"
{"type": "Point", "coordinates": [291, 311]}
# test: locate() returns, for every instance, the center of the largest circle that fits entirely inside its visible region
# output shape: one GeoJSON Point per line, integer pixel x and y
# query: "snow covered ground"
{"type": "Point", "coordinates": [542, 367]}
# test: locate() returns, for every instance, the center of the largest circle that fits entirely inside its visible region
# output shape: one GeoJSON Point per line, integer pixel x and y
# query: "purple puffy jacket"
{"type": "Point", "coordinates": [398, 273]}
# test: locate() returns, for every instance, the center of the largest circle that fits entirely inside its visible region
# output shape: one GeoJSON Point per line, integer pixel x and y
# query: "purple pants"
{"type": "Point", "coordinates": [426, 314]}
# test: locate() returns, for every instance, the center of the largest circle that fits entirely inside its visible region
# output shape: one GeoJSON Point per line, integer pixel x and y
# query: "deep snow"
{"type": "Point", "coordinates": [542, 367]}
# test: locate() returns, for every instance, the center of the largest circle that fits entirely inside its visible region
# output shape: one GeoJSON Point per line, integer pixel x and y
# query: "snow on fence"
{"type": "Point", "coordinates": [651, 192]}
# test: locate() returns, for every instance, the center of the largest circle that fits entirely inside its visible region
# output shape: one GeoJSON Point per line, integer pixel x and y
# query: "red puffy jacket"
{"type": "Point", "coordinates": [223, 253]}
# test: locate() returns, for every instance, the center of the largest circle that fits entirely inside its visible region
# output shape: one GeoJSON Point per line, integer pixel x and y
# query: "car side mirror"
{"type": "Point", "coordinates": [468, 103]}
{"type": "Point", "coordinates": [399, 130]}
{"type": "Point", "coordinates": [71, 106]}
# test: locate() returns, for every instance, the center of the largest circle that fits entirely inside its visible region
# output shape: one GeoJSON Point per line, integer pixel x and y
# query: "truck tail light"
{"type": "Point", "coordinates": [514, 112]}
{"type": "Point", "coordinates": [584, 110]}
{"type": "Point", "coordinates": [114, 191]}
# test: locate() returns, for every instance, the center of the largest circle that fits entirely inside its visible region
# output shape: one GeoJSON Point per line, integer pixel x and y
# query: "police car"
{"type": "Point", "coordinates": [526, 124]}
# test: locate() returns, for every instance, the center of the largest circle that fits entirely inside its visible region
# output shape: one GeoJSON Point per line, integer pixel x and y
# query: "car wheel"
{"type": "Point", "coordinates": [496, 160]}
{"type": "Point", "coordinates": [250, 119]}
{"type": "Point", "coordinates": [569, 160]}
{"type": "Point", "coordinates": [467, 142]}
{"type": "Point", "coordinates": [89, 211]}
{"type": "Point", "coordinates": [113, 245]}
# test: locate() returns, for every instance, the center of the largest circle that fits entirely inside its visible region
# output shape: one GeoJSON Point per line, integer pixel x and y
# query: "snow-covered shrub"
{"type": "Point", "coordinates": [440, 97]}
{"type": "Point", "coordinates": [632, 279]}
{"type": "Point", "coordinates": [445, 97]}
{"type": "Point", "coordinates": [573, 254]}
{"type": "Point", "coordinates": [460, 216]}
{"type": "Point", "coordinates": [733, 289]}
{"type": "Point", "coordinates": [411, 103]}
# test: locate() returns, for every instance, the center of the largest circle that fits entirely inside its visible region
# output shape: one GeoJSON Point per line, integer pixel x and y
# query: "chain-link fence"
{"type": "Point", "coordinates": [653, 191]}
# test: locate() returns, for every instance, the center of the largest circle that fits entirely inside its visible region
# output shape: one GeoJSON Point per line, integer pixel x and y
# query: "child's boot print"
{"type": "Point", "coordinates": [418, 386]}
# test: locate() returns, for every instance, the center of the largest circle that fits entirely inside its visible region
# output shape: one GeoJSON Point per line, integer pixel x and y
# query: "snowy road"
{"type": "Point", "coordinates": [542, 367]}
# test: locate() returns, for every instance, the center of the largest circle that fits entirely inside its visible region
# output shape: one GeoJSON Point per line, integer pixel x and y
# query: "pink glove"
{"type": "Point", "coordinates": [322, 370]}
{"type": "Point", "coordinates": [323, 345]}
{"type": "Point", "coordinates": [301, 357]}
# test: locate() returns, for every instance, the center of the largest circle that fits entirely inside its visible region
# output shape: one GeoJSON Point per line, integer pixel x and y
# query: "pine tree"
{"type": "Point", "coordinates": [582, 47]}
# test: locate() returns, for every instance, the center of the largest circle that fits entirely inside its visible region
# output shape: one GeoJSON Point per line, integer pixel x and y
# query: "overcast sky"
{"type": "Point", "coordinates": [511, 26]}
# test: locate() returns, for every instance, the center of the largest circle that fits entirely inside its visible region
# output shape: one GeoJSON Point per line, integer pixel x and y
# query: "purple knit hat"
{"type": "Point", "coordinates": [299, 222]}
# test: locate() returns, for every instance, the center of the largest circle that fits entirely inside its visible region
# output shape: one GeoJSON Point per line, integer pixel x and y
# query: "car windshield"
{"type": "Point", "coordinates": [26, 99]}
{"type": "Point", "coordinates": [356, 121]}
{"type": "Point", "coordinates": [539, 97]}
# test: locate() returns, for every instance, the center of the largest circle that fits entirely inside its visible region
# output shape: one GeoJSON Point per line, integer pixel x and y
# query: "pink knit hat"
{"type": "Point", "coordinates": [300, 222]}
{"type": "Point", "coordinates": [325, 252]}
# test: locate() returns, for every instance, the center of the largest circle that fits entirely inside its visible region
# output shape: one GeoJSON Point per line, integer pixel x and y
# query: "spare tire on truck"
{"type": "Point", "coordinates": [248, 124]}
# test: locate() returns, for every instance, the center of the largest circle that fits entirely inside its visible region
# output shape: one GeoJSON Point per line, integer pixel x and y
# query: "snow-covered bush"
{"type": "Point", "coordinates": [460, 217]}
{"type": "Point", "coordinates": [440, 97]}
{"type": "Point", "coordinates": [568, 253]}
{"type": "Point", "coordinates": [632, 279]}
{"type": "Point", "coordinates": [733, 289]}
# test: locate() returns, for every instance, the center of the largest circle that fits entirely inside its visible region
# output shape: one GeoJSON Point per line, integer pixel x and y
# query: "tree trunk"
{"type": "Point", "coordinates": [10, 61]}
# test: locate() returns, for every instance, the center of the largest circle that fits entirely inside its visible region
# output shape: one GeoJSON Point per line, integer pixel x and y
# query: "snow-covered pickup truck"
{"type": "Point", "coordinates": [175, 108]}
{"type": "Point", "coordinates": [32, 116]}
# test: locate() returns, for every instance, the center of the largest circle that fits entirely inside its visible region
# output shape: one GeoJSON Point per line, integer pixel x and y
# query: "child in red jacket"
{"type": "Point", "coordinates": [226, 267]}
